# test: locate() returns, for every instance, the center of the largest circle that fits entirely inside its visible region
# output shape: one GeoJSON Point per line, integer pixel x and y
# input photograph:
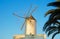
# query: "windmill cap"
{"type": "Point", "coordinates": [32, 17]}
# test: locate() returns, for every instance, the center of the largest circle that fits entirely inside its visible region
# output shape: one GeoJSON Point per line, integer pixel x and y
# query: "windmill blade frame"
{"type": "Point", "coordinates": [18, 16]}
{"type": "Point", "coordinates": [29, 10]}
{"type": "Point", "coordinates": [23, 25]}
{"type": "Point", "coordinates": [33, 10]}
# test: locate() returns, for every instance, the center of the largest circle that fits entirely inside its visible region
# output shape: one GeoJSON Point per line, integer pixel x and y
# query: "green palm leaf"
{"type": "Point", "coordinates": [59, 28]}
{"type": "Point", "coordinates": [49, 12]}
{"type": "Point", "coordinates": [53, 12]}
{"type": "Point", "coordinates": [51, 31]}
{"type": "Point", "coordinates": [57, 17]}
{"type": "Point", "coordinates": [49, 23]}
{"type": "Point", "coordinates": [56, 4]}
{"type": "Point", "coordinates": [55, 34]}
{"type": "Point", "coordinates": [50, 28]}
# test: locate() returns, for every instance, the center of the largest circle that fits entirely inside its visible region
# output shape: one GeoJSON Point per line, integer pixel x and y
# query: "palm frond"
{"type": "Point", "coordinates": [51, 20]}
{"type": "Point", "coordinates": [49, 23]}
{"type": "Point", "coordinates": [54, 13]}
{"type": "Point", "coordinates": [59, 28]}
{"type": "Point", "coordinates": [56, 4]}
{"type": "Point", "coordinates": [57, 17]}
{"type": "Point", "coordinates": [49, 12]}
{"type": "Point", "coordinates": [55, 34]}
{"type": "Point", "coordinates": [51, 31]}
{"type": "Point", "coordinates": [50, 28]}
{"type": "Point", "coordinates": [46, 25]}
{"type": "Point", "coordinates": [54, 19]}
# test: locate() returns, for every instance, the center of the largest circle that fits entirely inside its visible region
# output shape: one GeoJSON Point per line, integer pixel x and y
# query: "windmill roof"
{"type": "Point", "coordinates": [32, 17]}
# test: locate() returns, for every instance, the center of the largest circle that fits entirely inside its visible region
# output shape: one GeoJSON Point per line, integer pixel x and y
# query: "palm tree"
{"type": "Point", "coordinates": [53, 25]}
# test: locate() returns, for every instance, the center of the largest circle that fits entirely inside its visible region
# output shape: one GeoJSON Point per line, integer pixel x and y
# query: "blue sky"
{"type": "Point", "coordinates": [10, 25]}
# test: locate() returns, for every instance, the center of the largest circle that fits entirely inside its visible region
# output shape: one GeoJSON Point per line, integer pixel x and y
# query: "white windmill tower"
{"type": "Point", "coordinates": [29, 23]}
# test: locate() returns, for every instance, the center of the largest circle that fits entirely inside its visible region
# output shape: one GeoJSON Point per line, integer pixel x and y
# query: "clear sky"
{"type": "Point", "coordinates": [10, 25]}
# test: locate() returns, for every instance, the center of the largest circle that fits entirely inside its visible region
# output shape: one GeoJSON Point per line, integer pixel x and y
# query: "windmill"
{"type": "Point", "coordinates": [30, 26]}
{"type": "Point", "coordinates": [29, 23]}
